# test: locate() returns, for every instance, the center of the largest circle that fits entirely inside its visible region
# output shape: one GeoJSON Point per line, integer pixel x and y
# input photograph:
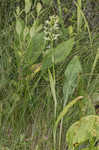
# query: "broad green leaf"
{"type": "Point", "coordinates": [32, 31]}
{"type": "Point", "coordinates": [95, 148]}
{"type": "Point", "coordinates": [71, 74]}
{"type": "Point", "coordinates": [35, 48]}
{"type": "Point", "coordinates": [17, 10]}
{"type": "Point", "coordinates": [87, 107]}
{"type": "Point", "coordinates": [25, 32]}
{"type": "Point", "coordinates": [82, 130]}
{"type": "Point", "coordinates": [19, 29]}
{"type": "Point", "coordinates": [39, 28]}
{"type": "Point", "coordinates": [60, 53]}
{"type": "Point", "coordinates": [18, 26]}
{"type": "Point", "coordinates": [70, 30]}
{"type": "Point", "coordinates": [95, 98]}
{"type": "Point", "coordinates": [47, 2]}
{"type": "Point", "coordinates": [27, 5]}
{"type": "Point", "coordinates": [38, 8]}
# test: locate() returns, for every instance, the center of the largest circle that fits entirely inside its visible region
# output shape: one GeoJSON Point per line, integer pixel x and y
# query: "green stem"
{"type": "Point", "coordinates": [60, 14]}
{"type": "Point", "coordinates": [85, 20]}
{"type": "Point", "coordinates": [79, 16]}
{"type": "Point", "coordinates": [93, 67]}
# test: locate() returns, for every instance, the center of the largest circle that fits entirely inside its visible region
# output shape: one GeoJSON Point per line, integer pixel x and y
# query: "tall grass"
{"type": "Point", "coordinates": [43, 75]}
{"type": "Point", "coordinates": [79, 14]}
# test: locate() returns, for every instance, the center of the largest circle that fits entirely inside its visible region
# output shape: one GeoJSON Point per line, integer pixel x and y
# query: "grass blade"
{"type": "Point", "coordinates": [86, 23]}
{"type": "Point", "coordinates": [65, 110]}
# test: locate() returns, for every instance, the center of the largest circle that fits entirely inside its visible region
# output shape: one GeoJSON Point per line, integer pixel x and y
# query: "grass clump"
{"type": "Point", "coordinates": [49, 64]}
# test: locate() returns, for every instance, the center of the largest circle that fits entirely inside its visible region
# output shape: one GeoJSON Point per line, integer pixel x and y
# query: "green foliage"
{"type": "Point", "coordinates": [65, 110]}
{"type": "Point", "coordinates": [80, 13]}
{"type": "Point", "coordinates": [34, 49]}
{"type": "Point", "coordinates": [52, 85]}
{"type": "Point", "coordinates": [79, 17]}
{"type": "Point", "coordinates": [18, 27]}
{"type": "Point", "coordinates": [46, 2]}
{"type": "Point", "coordinates": [60, 53]}
{"type": "Point", "coordinates": [95, 148]}
{"type": "Point", "coordinates": [47, 58]}
{"type": "Point", "coordinates": [72, 73]}
{"type": "Point", "coordinates": [83, 130]}
{"type": "Point", "coordinates": [27, 5]}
